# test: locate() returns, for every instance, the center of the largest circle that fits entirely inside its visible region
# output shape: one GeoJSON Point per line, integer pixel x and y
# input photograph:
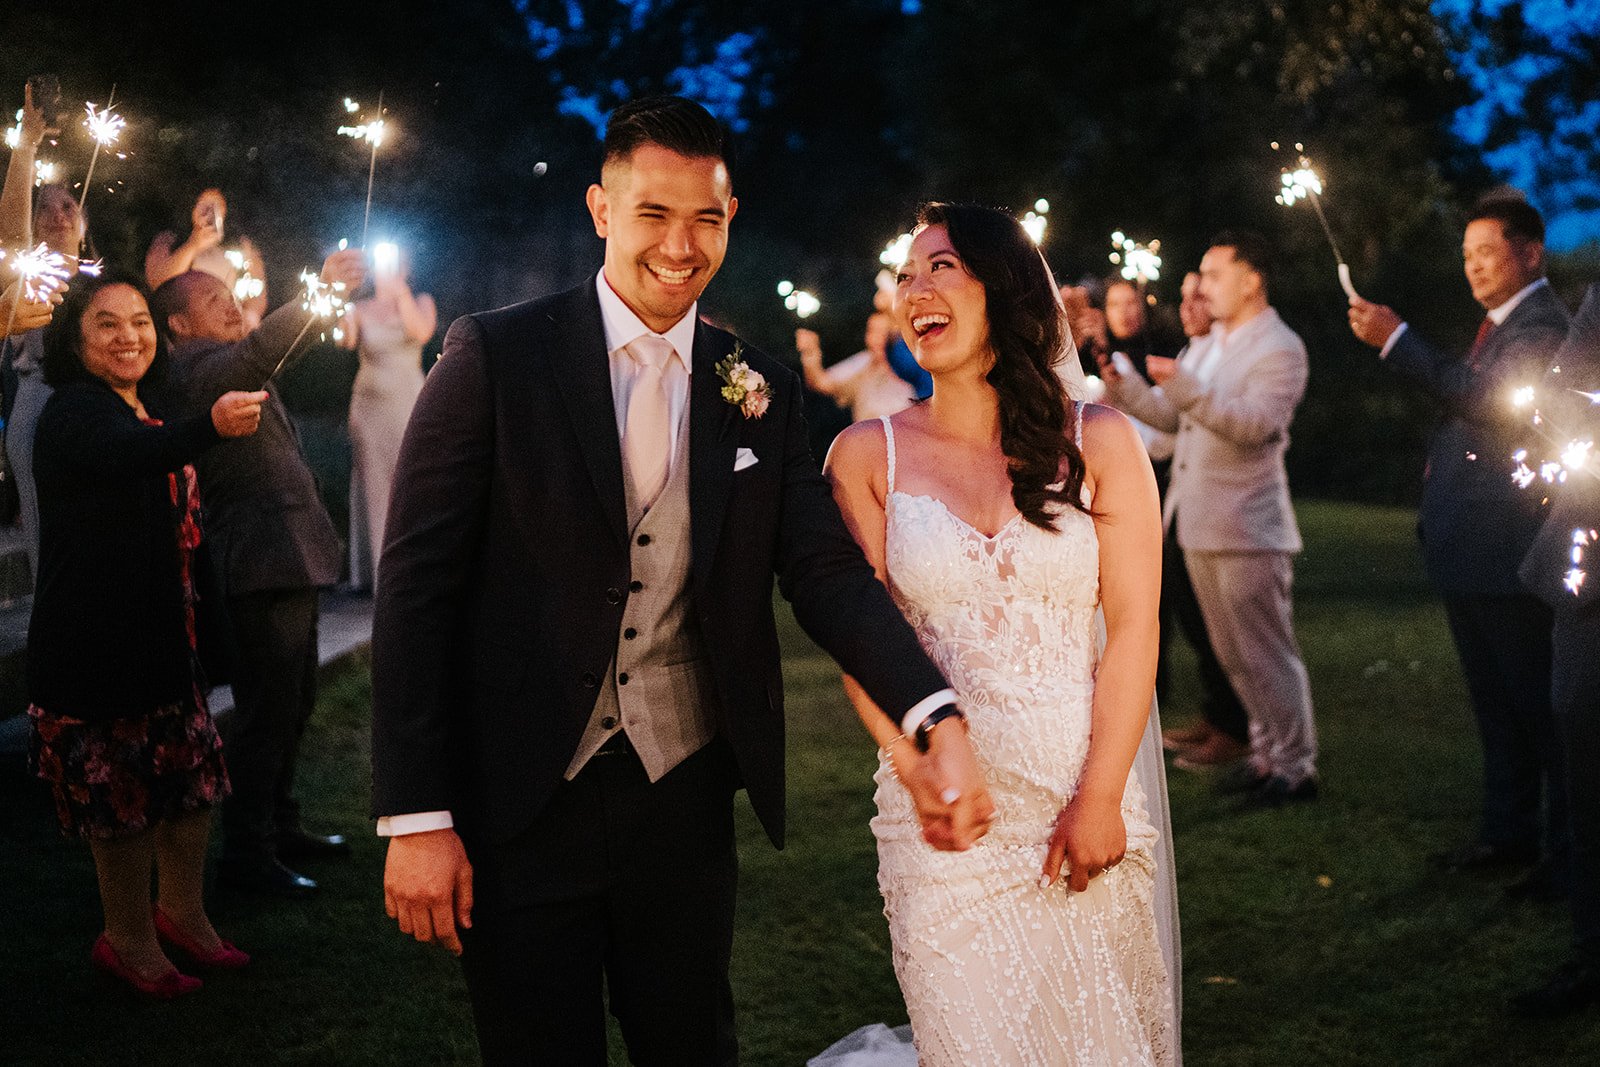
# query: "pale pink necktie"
{"type": "Point", "coordinates": [647, 434]}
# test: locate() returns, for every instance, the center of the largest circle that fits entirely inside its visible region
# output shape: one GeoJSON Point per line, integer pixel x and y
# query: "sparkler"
{"type": "Point", "coordinates": [894, 253]}
{"type": "Point", "coordinates": [372, 133]}
{"type": "Point", "coordinates": [324, 300]}
{"type": "Point", "coordinates": [247, 286]}
{"type": "Point", "coordinates": [45, 172]}
{"type": "Point", "coordinates": [14, 133]}
{"type": "Point", "coordinates": [1304, 183]}
{"type": "Point", "coordinates": [1034, 221]}
{"type": "Point", "coordinates": [104, 126]}
{"type": "Point", "coordinates": [799, 301]}
{"type": "Point", "coordinates": [1140, 263]}
{"type": "Point", "coordinates": [1576, 575]}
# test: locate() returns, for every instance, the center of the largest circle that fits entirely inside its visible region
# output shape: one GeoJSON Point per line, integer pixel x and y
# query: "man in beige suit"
{"type": "Point", "coordinates": [1230, 399]}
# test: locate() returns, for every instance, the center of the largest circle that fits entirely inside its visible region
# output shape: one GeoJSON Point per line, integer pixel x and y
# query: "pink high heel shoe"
{"type": "Point", "coordinates": [169, 986]}
{"type": "Point", "coordinates": [228, 958]}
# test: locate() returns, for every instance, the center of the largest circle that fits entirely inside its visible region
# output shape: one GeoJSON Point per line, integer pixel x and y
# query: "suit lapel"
{"type": "Point", "coordinates": [583, 378]}
{"type": "Point", "coordinates": [712, 442]}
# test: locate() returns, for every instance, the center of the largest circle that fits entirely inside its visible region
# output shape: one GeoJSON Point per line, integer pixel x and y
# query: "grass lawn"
{"type": "Point", "coordinates": [1311, 936]}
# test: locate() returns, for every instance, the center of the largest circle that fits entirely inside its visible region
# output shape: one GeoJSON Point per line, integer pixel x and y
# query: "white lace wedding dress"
{"type": "Point", "coordinates": [995, 970]}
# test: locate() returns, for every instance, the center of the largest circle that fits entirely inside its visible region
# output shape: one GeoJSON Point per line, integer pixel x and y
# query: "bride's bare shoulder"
{"type": "Point", "coordinates": [860, 449]}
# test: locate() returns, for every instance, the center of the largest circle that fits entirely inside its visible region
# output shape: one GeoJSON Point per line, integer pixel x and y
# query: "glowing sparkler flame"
{"type": "Point", "coordinates": [1575, 577]}
{"type": "Point", "coordinates": [45, 172]}
{"type": "Point", "coordinates": [14, 133]}
{"type": "Point", "coordinates": [1576, 455]}
{"type": "Point", "coordinates": [247, 286]}
{"type": "Point", "coordinates": [104, 125]}
{"type": "Point", "coordinates": [41, 270]}
{"type": "Point", "coordinates": [798, 301]}
{"type": "Point", "coordinates": [894, 253]}
{"type": "Point", "coordinates": [323, 300]}
{"type": "Point", "coordinates": [370, 132]}
{"type": "Point", "coordinates": [1522, 396]}
{"type": "Point", "coordinates": [1140, 262]}
{"type": "Point", "coordinates": [1034, 222]}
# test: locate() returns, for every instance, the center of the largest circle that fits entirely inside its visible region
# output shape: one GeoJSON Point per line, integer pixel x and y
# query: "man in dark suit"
{"type": "Point", "coordinates": [274, 547]}
{"type": "Point", "coordinates": [1563, 569]}
{"type": "Point", "coordinates": [575, 662]}
{"type": "Point", "coordinates": [1476, 527]}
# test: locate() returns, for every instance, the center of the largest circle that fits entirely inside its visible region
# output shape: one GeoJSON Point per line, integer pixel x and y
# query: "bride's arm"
{"type": "Point", "coordinates": [1127, 519]}
{"type": "Point", "coordinates": [856, 468]}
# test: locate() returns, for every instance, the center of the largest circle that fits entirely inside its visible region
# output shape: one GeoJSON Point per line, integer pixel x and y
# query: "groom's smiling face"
{"type": "Point", "coordinates": [664, 218]}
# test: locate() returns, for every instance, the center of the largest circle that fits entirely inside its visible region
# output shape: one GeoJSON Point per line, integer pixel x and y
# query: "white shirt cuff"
{"type": "Point", "coordinates": [415, 823]}
{"type": "Point", "coordinates": [1383, 353]}
{"type": "Point", "coordinates": [925, 707]}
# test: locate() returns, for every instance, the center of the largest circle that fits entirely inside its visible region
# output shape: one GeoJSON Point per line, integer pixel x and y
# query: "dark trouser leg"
{"type": "Point", "coordinates": [1504, 646]}
{"type": "Point", "coordinates": [1575, 695]}
{"type": "Point", "coordinates": [261, 733]}
{"type": "Point", "coordinates": [1219, 704]}
{"type": "Point", "coordinates": [286, 809]}
{"type": "Point", "coordinates": [621, 877]}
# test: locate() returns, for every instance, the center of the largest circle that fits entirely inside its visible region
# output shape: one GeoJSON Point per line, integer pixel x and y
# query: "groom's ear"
{"type": "Point", "coordinates": [599, 210]}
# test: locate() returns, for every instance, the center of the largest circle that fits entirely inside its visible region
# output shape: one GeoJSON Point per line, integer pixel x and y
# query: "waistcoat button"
{"type": "Point", "coordinates": [622, 679]}
{"type": "Point", "coordinates": [613, 595]}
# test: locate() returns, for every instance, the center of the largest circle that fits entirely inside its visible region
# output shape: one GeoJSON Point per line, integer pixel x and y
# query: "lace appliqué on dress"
{"type": "Point", "coordinates": [994, 969]}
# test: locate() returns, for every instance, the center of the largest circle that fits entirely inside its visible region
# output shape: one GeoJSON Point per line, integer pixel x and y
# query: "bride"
{"type": "Point", "coordinates": [1002, 515]}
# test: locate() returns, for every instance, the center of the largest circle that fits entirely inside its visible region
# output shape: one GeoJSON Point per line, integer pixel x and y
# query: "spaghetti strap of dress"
{"type": "Point", "coordinates": [888, 437]}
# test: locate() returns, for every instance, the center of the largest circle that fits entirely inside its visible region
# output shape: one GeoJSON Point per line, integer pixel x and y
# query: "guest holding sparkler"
{"type": "Point", "coordinates": [1230, 400]}
{"type": "Point", "coordinates": [387, 331]}
{"type": "Point", "coordinates": [1556, 570]}
{"type": "Point", "coordinates": [276, 547]}
{"type": "Point", "coordinates": [119, 722]}
{"type": "Point", "coordinates": [864, 382]}
{"type": "Point", "coordinates": [240, 269]}
{"type": "Point", "coordinates": [60, 224]}
{"type": "Point", "coordinates": [1476, 526]}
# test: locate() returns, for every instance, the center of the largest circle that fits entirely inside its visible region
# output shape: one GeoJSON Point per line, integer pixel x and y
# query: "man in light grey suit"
{"type": "Point", "coordinates": [1230, 399]}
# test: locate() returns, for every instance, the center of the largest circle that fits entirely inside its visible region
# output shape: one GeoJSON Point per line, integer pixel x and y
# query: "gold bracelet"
{"type": "Point", "coordinates": [886, 753]}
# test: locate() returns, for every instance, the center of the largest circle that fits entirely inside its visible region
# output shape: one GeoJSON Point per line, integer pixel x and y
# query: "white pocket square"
{"type": "Point", "coordinates": [744, 458]}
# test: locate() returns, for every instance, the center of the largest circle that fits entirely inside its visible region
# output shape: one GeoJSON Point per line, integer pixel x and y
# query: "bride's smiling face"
{"type": "Point", "coordinates": [940, 308]}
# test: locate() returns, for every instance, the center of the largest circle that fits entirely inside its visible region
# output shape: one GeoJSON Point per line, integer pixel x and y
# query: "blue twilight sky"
{"type": "Point", "coordinates": [1557, 172]}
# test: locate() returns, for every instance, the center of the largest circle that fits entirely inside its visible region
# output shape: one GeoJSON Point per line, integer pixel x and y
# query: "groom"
{"type": "Point", "coordinates": [575, 663]}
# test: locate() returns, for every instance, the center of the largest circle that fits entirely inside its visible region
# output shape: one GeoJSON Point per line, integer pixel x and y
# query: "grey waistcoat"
{"type": "Point", "coordinates": [658, 689]}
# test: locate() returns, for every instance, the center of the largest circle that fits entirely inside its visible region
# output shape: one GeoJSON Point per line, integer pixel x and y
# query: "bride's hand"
{"type": "Point", "coordinates": [1090, 836]}
{"type": "Point", "coordinates": [947, 787]}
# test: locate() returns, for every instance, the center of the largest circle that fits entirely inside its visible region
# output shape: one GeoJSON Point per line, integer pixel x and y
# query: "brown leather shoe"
{"type": "Point", "coordinates": [1219, 751]}
{"type": "Point", "coordinates": [1181, 737]}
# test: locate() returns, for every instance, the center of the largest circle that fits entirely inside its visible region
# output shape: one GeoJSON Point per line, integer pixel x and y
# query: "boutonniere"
{"type": "Point", "coordinates": [742, 387]}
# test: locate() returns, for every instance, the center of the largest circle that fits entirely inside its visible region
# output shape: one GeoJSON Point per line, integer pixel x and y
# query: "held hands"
{"type": "Point", "coordinates": [427, 886]}
{"type": "Point", "coordinates": [348, 267]}
{"type": "Point", "coordinates": [238, 414]}
{"type": "Point", "coordinates": [946, 785]}
{"type": "Point", "coordinates": [1372, 323]}
{"type": "Point", "coordinates": [1090, 837]}
{"type": "Point", "coordinates": [1160, 368]}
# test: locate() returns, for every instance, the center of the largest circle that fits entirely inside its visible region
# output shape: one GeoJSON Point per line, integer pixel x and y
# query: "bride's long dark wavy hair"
{"type": "Point", "coordinates": [1028, 333]}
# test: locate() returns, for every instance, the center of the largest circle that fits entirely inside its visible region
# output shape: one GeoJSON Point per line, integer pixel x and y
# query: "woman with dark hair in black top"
{"type": "Point", "coordinates": [120, 725]}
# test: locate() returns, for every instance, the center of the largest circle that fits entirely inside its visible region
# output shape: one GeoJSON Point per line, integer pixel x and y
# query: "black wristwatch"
{"type": "Point", "coordinates": [920, 736]}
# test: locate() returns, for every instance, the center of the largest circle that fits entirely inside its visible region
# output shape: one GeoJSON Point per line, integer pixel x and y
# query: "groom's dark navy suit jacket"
{"type": "Point", "coordinates": [506, 570]}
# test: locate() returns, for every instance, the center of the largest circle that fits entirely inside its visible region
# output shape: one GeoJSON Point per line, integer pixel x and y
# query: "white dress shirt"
{"type": "Point", "coordinates": [622, 326]}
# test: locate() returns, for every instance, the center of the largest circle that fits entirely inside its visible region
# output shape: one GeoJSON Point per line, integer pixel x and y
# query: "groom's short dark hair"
{"type": "Point", "coordinates": [673, 122]}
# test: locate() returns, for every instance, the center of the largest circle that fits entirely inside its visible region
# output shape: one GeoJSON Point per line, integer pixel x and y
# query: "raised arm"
{"type": "Point", "coordinates": [1090, 834]}
{"type": "Point", "coordinates": [16, 202]}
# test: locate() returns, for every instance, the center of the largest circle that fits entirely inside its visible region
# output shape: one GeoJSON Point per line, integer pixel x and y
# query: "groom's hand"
{"type": "Point", "coordinates": [967, 810]}
{"type": "Point", "coordinates": [427, 886]}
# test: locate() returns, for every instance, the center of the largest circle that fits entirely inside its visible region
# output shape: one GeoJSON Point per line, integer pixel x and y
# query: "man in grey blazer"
{"type": "Point", "coordinates": [274, 546]}
{"type": "Point", "coordinates": [1230, 399]}
{"type": "Point", "coordinates": [1477, 526]}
